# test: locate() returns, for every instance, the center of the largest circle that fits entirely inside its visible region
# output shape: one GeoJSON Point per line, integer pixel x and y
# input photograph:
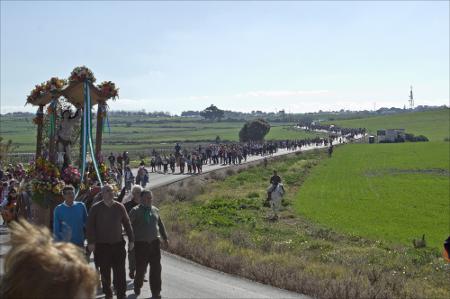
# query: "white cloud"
{"type": "Point", "coordinates": [280, 93]}
{"type": "Point", "coordinates": [193, 98]}
{"type": "Point", "coordinates": [295, 101]}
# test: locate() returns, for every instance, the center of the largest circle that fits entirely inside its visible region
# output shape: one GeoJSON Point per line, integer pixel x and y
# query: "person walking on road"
{"type": "Point", "coordinates": [330, 150]}
{"type": "Point", "coordinates": [165, 163]}
{"type": "Point", "coordinates": [104, 234]}
{"type": "Point", "coordinates": [129, 205]}
{"type": "Point", "coordinates": [182, 164]}
{"type": "Point", "coordinates": [142, 176]}
{"type": "Point", "coordinates": [129, 177]}
{"type": "Point", "coordinates": [148, 228]}
{"type": "Point", "coordinates": [153, 164]}
{"type": "Point", "coordinates": [119, 161]}
{"type": "Point", "coordinates": [274, 181]}
{"type": "Point", "coordinates": [172, 163]}
{"type": "Point", "coordinates": [69, 219]}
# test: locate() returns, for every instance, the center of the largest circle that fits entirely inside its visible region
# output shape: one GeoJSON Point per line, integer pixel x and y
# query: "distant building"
{"type": "Point", "coordinates": [390, 135]}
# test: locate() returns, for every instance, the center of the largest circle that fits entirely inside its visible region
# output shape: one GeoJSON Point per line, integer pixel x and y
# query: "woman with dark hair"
{"type": "Point", "coordinates": [9, 207]}
{"type": "Point", "coordinates": [142, 176]}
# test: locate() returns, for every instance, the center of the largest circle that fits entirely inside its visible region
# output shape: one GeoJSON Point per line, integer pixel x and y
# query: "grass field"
{"type": "Point", "coordinates": [393, 192]}
{"type": "Point", "coordinates": [222, 223]}
{"type": "Point", "coordinates": [137, 133]}
{"type": "Point", "coordinates": [433, 124]}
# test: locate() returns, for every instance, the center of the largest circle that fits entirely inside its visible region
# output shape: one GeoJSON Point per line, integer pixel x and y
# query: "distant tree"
{"type": "Point", "coordinates": [243, 133]}
{"type": "Point", "coordinates": [190, 113]}
{"type": "Point", "coordinates": [254, 130]}
{"type": "Point", "coordinates": [212, 113]}
{"type": "Point", "coordinates": [217, 139]}
{"type": "Point", "coordinates": [6, 148]}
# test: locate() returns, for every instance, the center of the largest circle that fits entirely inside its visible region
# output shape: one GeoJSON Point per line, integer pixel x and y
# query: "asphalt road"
{"type": "Point", "coordinates": [185, 279]}
{"type": "Point", "coordinates": [195, 281]}
{"type": "Point", "coordinates": [182, 278]}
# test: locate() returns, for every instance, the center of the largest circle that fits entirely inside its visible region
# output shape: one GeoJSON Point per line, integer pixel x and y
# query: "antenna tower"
{"type": "Point", "coordinates": [411, 99]}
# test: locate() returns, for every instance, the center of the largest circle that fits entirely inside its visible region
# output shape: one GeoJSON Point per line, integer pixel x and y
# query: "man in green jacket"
{"type": "Point", "coordinates": [148, 229]}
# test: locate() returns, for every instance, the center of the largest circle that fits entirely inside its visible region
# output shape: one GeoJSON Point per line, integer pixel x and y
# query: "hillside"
{"type": "Point", "coordinates": [433, 124]}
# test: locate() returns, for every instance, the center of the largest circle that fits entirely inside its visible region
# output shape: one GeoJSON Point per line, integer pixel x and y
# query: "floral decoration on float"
{"type": "Point", "coordinates": [71, 175]}
{"type": "Point", "coordinates": [104, 173]}
{"type": "Point", "coordinates": [108, 90]}
{"type": "Point", "coordinates": [82, 73]}
{"type": "Point", "coordinates": [45, 182]}
{"type": "Point", "coordinates": [55, 84]}
{"type": "Point", "coordinates": [38, 91]}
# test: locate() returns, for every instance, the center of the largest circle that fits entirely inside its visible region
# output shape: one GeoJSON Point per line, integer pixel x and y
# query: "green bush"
{"type": "Point", "coordinates": [254, 130]}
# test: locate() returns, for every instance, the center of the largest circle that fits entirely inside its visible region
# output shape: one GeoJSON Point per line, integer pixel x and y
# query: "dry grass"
{"type": "Point", "coordinates": [287, 271]}
{"type": "Point", "coordinates": [293, 253]}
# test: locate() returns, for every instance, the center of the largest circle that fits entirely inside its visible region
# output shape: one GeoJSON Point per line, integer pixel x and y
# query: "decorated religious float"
{"type": "Point", "coordinates": [53, 166]}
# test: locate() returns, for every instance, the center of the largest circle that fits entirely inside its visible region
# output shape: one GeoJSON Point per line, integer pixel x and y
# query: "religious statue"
{"type": "Point", "coordinates": [64, 134]}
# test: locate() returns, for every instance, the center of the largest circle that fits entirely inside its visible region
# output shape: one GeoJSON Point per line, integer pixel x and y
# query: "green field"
{"type": "Point", "coordinates": [393, 192]}
{"type": "Point", "coordinates": [223, 224]}
{"type": "Point", "coordinates": [138, 133]}
{"type": "Point", "coordinates": [432, 124]}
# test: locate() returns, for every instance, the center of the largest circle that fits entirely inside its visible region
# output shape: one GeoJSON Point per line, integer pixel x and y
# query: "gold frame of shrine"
{"type": "Point", "coordinates": [73, 92]}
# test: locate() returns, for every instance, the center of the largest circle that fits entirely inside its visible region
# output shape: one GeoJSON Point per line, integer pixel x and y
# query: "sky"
{"type": "Point", "coordinates": [242, 56]}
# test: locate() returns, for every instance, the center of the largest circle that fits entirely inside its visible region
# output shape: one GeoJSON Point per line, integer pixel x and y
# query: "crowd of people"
{"type": "Point", "coordinates": [94, 224]}
{"type": "Point", "coordinates": [95, 229]}
{"type": "Point", "coordinates": [15, 196]}
{"type": "Point", "coordinates": [333, 129]}
{"type": "Point", "coordinates": [191, 161]}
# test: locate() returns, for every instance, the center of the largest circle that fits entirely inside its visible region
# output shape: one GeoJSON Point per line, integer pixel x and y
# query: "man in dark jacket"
{"type": "Point", "coordinates": [104, 234]}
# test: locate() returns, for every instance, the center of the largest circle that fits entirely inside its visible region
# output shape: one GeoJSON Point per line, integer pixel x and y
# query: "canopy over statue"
{"type": "Point", "coordinates": [80, 91]}
{"type": "Point", "coordinates": [74, 90]}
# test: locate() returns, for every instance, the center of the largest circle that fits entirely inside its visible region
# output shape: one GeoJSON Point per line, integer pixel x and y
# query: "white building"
{"type": "Point", "coordinates": [390, 135]}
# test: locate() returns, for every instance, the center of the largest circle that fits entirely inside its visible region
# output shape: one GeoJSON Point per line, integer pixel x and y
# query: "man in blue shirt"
{"type": "Point", "coordinates": [69, 219]}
